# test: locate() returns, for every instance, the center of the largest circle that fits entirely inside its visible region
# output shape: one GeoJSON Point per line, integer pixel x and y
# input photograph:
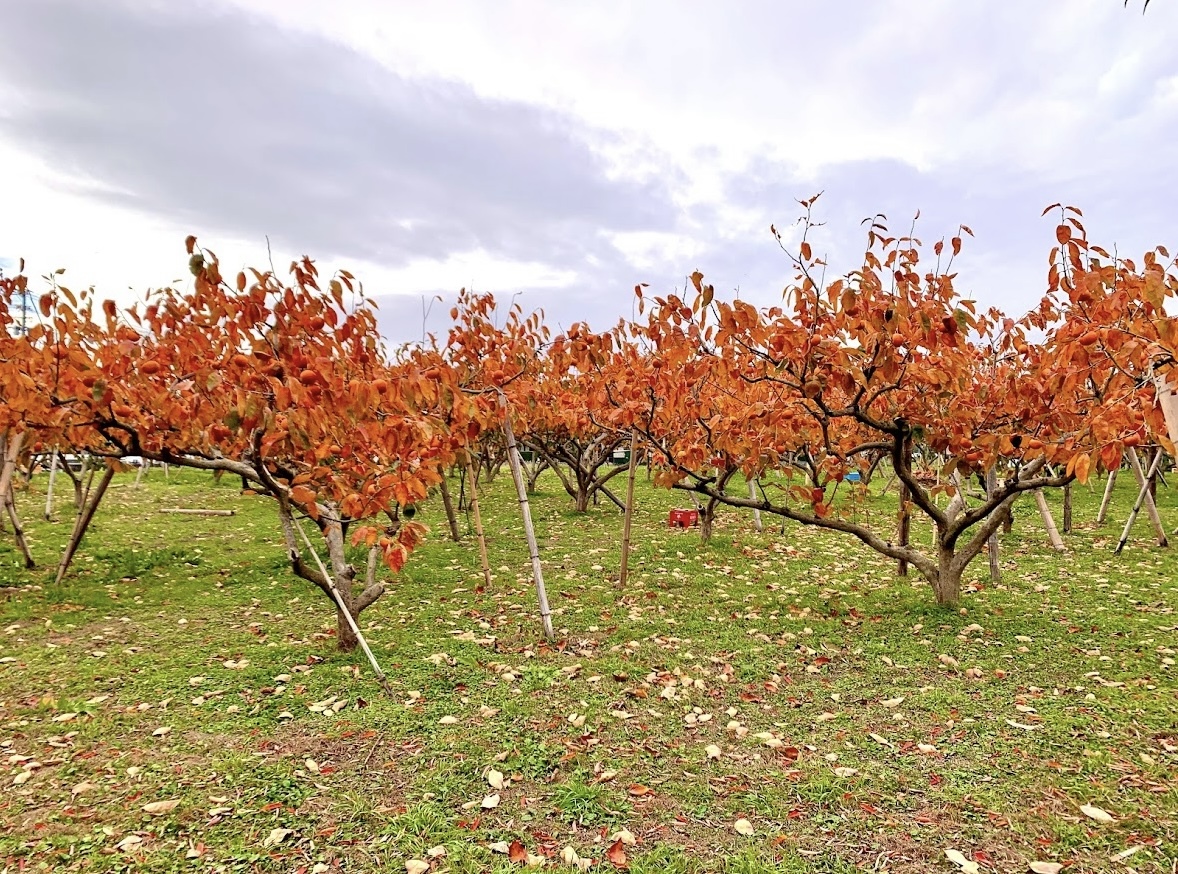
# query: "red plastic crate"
{"type": "Point", "coordinates": [683, 518]}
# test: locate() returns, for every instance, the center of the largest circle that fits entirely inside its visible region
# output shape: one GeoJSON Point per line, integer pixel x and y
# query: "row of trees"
{"type": "Point", "coordinates": [288, 385]}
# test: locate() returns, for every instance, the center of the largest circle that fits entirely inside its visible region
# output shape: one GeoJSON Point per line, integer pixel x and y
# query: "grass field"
{"type": "Point", "coordinates": [786, 681]}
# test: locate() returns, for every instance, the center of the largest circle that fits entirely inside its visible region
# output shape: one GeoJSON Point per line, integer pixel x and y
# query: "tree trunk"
{"type": "Point", "coordinates": [18, 529]}
{"type": "Point", "coordinates": [706, 518]}
{"type": "Point", "coordinates": [448, 503]}
{"type": "Point", "coordinates": [581, 499]}
{"type": "Point", "coordinates": [336, 583]}
{"type": "Point", "coordinates": [1067, 509]}
{"type": "Point", "coordinates": [11, 446]}
{"type": "Point", "coordinates": [905, 522]}
{"type": "Point", "coordinates": [947, 583]}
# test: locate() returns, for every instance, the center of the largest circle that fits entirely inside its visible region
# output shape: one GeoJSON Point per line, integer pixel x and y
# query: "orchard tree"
{"type": "Point", "coordinates": [288, 387]}
{"type": "Point", "coordinates": [888, 358]}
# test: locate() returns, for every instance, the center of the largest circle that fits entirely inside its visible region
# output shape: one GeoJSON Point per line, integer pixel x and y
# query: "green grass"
{"type": "Point", "coordinates": [787, 650]}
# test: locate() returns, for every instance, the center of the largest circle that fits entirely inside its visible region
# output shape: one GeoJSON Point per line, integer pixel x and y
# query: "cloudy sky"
{"type": "Point", "coordinates": [564, 152]}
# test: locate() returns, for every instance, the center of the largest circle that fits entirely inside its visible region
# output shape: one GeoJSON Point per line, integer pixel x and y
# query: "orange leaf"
{"type": "Point", "coordinates": [617, 855]}
{"type": "Point", "coordinates": [516, 852]}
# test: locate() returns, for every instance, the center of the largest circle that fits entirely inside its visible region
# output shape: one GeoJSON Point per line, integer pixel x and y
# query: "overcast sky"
{"type": "Point", "coordinates": [566, 151]}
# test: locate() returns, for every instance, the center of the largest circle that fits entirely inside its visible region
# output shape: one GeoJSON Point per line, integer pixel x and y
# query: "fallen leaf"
{"type": "Point", "coordinates": [436, 852]}
{"type": "Point", "coordinates": [517, 852]}
{"type": "Point", "coordinates": [845, 772]}
{"type": "Point", "coordinates": [1046, 867]}
{"type": "Point", "coordinates": [277, 836]}
{"type": "Point", "coordinates": [499, 847]}
{"type": "Point", "coordinates": [162, 731]}
{"type": "Point", "coordinates": [966, 865]}
{"type": "Point", "coordinates": [626, 836]}
{"type": "Point", "coordinates": [712, 751]}
{"type": "Point", "coordinates": [495, 778]}
{"type": "Point", "coordinates": [616, 854]}
{"type": "Point", "coordinates": [743, 827]}
{"type": "Point", "coordinates": [948, 661]}
{"type": "Point", "coordinates": [158, 808]}
{"type": "Point", "coordinates": [1093, 812]}
{"type": "Point", "coordinates": [129, 843]}
{"type": "Point", "coordinates": [416, 866]}
{"type": "Point", "coordinates": [491, 802]}
{"type": "Point", "coordinates": [448, 720]}
{"type": "Point", "coordinates": [1125, 854]}
{"type": "Point", "coordinates": [83, 787]}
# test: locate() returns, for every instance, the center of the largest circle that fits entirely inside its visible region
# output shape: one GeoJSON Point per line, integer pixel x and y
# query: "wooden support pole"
{"type": "Point", "coordinates": [625, 570]}
{"type": "Point", "coordinates": [1143, 497]}
{"type": "Point", "coordinates": [1107, 499]}
{"type": "Point", "coordinates": [992, 541]}
{"type": "Point", "coordinates": [1151, 509]}
{"type": "Point", "coordinates": [1067, 509]}
{"type": "Point", "coordinates": [478, 521]}
{"type": "Point", "coordinates": [197, 512]}
{"type": "Point", "coordinates": [525, 510]}
{"type": "Point", "coordinates": [49, 488]}
{"type": "Point", "coordinates": [1049, 521]}
{"type": "Point", "coordinates": [756, 513]}
{"type": "Point", "coordinates": [82, 523]}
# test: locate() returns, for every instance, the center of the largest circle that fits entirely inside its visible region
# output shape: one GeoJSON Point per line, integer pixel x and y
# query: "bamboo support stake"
{"type": "Point", "coordinates": [82, 523]}
{"type": "Point", "coordinates": [533, 548]}
{"type": "Point", "coordinates": [339, 601]}
{"type": "Point", "coordinates": [992, 541]}
{"type": "Point", "coordinates": [478, 521]}
{"type": "Point", "coordinates": [1049, 522]}
{"type": "Point", "coordinates": [1107, 499]}
{"type": "Point", "coordinates": [197, 512]}
{"type": "Point", "coordinates": [49, 488]}
{"type": "Point", "coordinates": [625, 570]}
{"type": "Point", "coordinates": [752, 497]}
{"type": "Point", "coordinates": [1143, 479]}
{"type": "Point", "coordinates": [1143, 497]}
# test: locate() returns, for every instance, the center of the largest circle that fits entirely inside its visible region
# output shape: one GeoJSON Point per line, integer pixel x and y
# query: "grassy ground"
{"type": "Point", "coordinates": [786, 679]}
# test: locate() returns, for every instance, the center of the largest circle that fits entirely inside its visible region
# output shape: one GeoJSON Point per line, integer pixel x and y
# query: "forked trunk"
{"type": "Point", "coordinates": [345, 637]}
{"type": "Point", "coordinates": [707, 519]}
{"type": "Point", "coordinates": [947, 582]}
